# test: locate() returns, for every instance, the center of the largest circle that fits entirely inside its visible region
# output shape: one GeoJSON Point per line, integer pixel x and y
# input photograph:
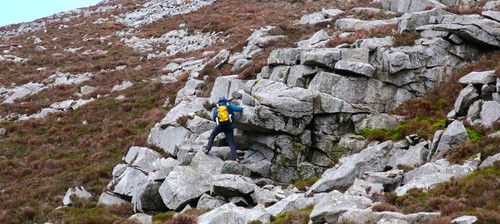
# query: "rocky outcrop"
{"type": "Point", "coordinates": [158, 9]}
{"type": "Point", "coordinates": [300, 116]}
{"type": "Point", "coordinates": [476, 28]}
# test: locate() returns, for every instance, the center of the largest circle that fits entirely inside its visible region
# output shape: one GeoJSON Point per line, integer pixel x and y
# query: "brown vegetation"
{"type": "Point", "coordinates": [475, 194]}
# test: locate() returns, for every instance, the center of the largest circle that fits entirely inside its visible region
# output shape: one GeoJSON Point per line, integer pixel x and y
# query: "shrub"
{"type": "Point", "coordinates": [182, 120]}
{"type": "Point", "coordinates": [442, 220]}
{"type": "Point", "coordinates": [486, 146]}
{"type": "Point", "coordinates": [182, 219]}
{"type": "Point", "coordinates": [456, 9]}
{"type": "Point", "coordinates": [406, 38]}
{"type": "Point", "coordinates": [381, 207]}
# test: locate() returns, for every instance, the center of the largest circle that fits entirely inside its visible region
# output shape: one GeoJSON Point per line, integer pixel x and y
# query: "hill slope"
{"type": "Point", "coordinates": [70, 114]}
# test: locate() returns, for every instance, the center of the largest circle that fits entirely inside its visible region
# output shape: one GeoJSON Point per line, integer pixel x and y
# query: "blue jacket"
{"type": "Point", "coordinates": [230, 109]}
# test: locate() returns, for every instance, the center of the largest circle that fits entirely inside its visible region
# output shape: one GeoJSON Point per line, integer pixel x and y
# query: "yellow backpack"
{"type": "Point", "coordinates": [223, 116]}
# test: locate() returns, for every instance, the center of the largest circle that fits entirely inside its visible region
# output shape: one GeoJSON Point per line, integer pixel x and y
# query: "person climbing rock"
{"type": "Point", "coordinates": [222, 115]}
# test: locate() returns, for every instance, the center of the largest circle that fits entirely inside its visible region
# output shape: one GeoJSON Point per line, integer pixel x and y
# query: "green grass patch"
{"type": "Point", "coordinates": [474, 135]}
{"type": "Point", "coordinates": [162, 217]}
{"type": "Point", "coordinates": [301, 185]}
{"type": "Point", "coordinates": [293, 217]}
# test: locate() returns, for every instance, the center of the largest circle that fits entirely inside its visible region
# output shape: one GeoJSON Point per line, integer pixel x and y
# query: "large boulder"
{"type": "Point", "coordinates": [369, 93]}
{"type": "Point", "coordinates": [485, 77]}
{"type": "Point", "coordinates": [266, 120]}
{"type": "Point", "coordinates": [290, 101]}
{"type": "Point", "coordinates": [390, 180]}
{"type": "Point", "coordinates": [454, 135]}
{"type": "Point", "coordinates": [223, 86]}
{"type": "Point", "coordinates": [318, 39]}
{"type": "Point", "coordinates": [334, 204]}
{"type": "Point", "coordinates": [108, 198]}
{"type": "Point", "coordinates": [292, 202]}
{"type": "Point", "coordinates": [301, 75]}
{"type": "Point", "coordinates": [184, 185]}
{"type": "Point", "coordinates": [466, 97]}
{"type": "Point", "coordinates": [373, 158]}
{"type": "Point", "coordinates": [169, 139]}
{"type": "Point", "coordinates": [230, 185]}
{"type": "Point", "coordinates": [285, 56]}
{"type": "Point", "coordinates": [413, 157]}
{"type": "Point", "coordinates": [142, 158]}
{"type": "Point", "coordinates": [199, 125]}
{"type": "Point", "coordinates": [147, 198]}
{"type": "Point", "coordinates": [184, 108]}
{"type": "Point", "coordinates": [490, 161]}
{"type": "Point", "coordinates": [208, 202]}
{"type": "Point", "coordinates": [126, 183]}
{"type": "Point", "coordinates": [490, 113]}
{"type": "Point", "coordinates": [324, 57]}
{"type": "Point", "coordinates": [264, 197]}
{"type": "Point", "coordinates": [230, 213]}
{"type": "Point", "coordinates": [207, 163]}
{"type": "Point", "coordinates": [361, 216]}
{"type": "Point", "coordinates": [280, 73]}
{"type": "Point", "coordinates": [466, 219]}
{"type": "Point", "coordinates": [328, 104]}
{"type": "Point", "coordinates": [355, 68]}
{"type": "Point", "coordinates": [431, 174]}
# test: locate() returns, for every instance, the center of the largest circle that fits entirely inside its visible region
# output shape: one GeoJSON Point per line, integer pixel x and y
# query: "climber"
{"type": "Point", "coordinates": [222, 115]}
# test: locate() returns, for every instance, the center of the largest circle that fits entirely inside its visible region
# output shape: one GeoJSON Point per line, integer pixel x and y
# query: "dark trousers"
{"type": "Point", "coordinates": [228, 132]}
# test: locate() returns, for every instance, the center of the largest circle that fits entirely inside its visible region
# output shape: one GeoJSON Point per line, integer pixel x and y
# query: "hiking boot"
{"type": "Point", "coordinates": [205, 150]}
{"type": "Point", "coordinates": [238, 161]}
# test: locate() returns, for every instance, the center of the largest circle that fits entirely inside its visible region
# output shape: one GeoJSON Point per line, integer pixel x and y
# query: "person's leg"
{"type": "Point", "coordinates": [230, 141]}
{"type": "Point", "coordinates": [215, 132]}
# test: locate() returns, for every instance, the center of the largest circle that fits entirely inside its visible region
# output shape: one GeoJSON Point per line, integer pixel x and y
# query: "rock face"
{"type": "Point", "coordinates": [304, 112]}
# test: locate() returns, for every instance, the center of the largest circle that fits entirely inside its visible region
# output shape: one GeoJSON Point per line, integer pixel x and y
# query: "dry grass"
{"type": "Point", "coordinates": [476, 194]}
{"type": "Point", "coordinates": [381, 207]}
